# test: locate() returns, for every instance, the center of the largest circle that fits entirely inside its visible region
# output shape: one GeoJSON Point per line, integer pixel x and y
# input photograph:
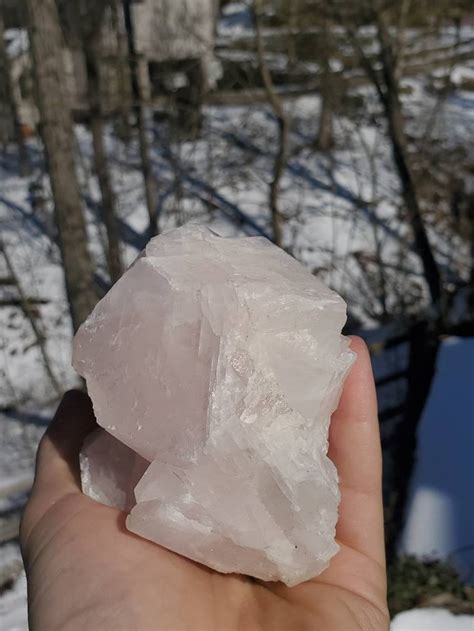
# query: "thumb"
{"type": "Point", "coordinates": [354, 447]}
{"type": "Point", "coordinates": [57, 462]}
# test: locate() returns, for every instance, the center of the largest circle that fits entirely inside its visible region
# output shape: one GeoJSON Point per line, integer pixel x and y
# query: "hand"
{"type": "Point", "coordinates": [87, 572]}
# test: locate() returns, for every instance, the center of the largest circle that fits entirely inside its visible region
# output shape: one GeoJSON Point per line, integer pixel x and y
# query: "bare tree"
{"type": "Point", "coordinates": [281, 116]}
{"type": "Point", "coordinates": [58, 137]}
{"type": "Point", "coordinates": [90, 26]}
{"type": "Point", "coordinates": [292, 19]}
{"type": "Point", "coordinates": [325, 139]}
{"type": "Point", "coordinates": [383, 71]}
{"type": "Point", "coordinates": [108, 201]}
{"type": "Point", "coordinates": [5, 95]}
{"type": "Point", "coordinates": [8, 105]}
{"type": "Point", "coordinates": [389, 94]}
{"type": "Point", "coordinates": [470, 225]}
{"type": "Point", "coordinates": [140, 120]}
{"type": "Point", "coordinates": [123, 70]}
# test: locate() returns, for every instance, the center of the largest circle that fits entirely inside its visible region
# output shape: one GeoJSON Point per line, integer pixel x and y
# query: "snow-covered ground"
{"type": "Point", "coordinates": [13, 615]}
{"type": "Point", "coordinates": [431, 620]}
{"type": "Point", "coordinates": [341, 217]}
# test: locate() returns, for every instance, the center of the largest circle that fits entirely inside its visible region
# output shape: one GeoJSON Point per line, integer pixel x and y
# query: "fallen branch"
{"type": "Point", "coordinates": [17, 302]}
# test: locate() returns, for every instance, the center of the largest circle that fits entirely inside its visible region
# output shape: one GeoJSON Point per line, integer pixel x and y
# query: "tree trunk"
{"type": "Point", "coordinates": [8, 105]}
{"type": "Point", "coordinates": [189, 101]}
{"type": "Point", "coordinates": [278, 170]}
{"type": "Point", "coordinates": [108, 210]}
{"type": "Point", "coordinates": [386, 84]}
{"type": "Point", "coordinates": [140, 121]}
{"type": "Point", "coordinates": [325, 140]}
{"type": "Point", "coordinates": [470, 216]}
{"type": "Point", "coordinates": [5, 112]}
{"type": "Point", "coordinates": [393, 110]}
{"type": "Point", "coordinates": [58, 137]}
{"type": "Point", "coordinates": [410, 197]}
{"type": "Point", "coordinates": [283, 131]}
{"type": "Point", "coordinates": [123, 73]}
{"type": "Point", "coordinates": [424, 348]}
{"type": "Point", "coordinates": [293, 11]}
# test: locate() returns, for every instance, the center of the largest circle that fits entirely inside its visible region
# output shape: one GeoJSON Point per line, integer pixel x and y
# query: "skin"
{"type": "Point", "coordinates": [86, 571]}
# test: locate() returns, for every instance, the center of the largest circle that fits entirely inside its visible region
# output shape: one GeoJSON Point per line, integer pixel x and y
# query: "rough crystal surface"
{"type": "Point", "coordinates": [214, 365]}
{"type": "Point", "coordinates": [110, 470]}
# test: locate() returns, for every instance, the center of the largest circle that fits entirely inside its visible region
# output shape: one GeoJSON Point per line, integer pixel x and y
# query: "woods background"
{"type": "Point", "coordinates": [341, 130]}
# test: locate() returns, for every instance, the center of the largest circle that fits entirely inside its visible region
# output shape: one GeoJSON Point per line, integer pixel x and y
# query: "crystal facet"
{"type": "Point", "coordinates": [214, 365]}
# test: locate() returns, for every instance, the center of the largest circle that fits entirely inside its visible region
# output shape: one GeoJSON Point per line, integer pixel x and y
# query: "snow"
{"type": "Point", "coordinates": [13, 601]}
{"type": "Point", "coordinates": [17, 41]}
{"type": "Point", "coordinates": [236, 20]}
{"type": "Point", "coordinates": [13, 613]}
{"type": "Point", "coordinates": [463, 73]}
{"type": "Point", "coordinates": [431, 620]}
{"type": "Point", "coordinates": [440, 516]}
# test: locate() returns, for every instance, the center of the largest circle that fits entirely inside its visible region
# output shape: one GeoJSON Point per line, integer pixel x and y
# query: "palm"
{"type": "Point", "coordinates": [85, 570]}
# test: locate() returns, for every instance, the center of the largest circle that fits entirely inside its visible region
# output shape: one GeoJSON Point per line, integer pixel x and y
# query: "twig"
{"type": "Point", "coordinates": [30, 315]}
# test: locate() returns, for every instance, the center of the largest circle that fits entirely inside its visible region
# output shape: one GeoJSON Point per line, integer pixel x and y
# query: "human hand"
{"type": "Point", "coordinates": [86, 571]}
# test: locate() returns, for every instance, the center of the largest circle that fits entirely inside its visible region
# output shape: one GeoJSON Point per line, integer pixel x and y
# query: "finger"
{"type": "Point", "coordinates": [354, 447]}
{"type": "Point", "coordinates": [57, 462]}
{"type": "Point", "coordinates": [58, 454]}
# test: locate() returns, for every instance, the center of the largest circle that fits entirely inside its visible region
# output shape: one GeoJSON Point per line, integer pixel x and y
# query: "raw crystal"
{"type": "Point", "coordinates": [110, 470]}
{"type": "Point", "coordinates": [214, 365]}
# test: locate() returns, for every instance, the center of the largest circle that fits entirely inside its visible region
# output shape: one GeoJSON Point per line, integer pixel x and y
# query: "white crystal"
{"type": "Point", "coordinates": [110, 470]}
{"type": "Point", "coordinates": [218, 361]}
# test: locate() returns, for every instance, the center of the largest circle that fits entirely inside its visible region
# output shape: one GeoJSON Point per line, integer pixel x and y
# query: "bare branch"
{"type": "Point", "coordinates": [283, 128]}
{"type": "Point", "coordinates": [25, 303]}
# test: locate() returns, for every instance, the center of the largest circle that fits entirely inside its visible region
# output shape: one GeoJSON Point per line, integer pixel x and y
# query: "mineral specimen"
{"type": "Point", "coordinates": [214, 365]}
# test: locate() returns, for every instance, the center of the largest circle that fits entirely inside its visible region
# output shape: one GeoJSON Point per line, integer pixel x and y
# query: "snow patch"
{"type": "Point", "coordinates": [431, 620]}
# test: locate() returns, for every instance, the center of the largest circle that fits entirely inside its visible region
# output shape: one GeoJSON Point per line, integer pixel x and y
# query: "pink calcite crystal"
{"type": "Point", "coordinates": [214, 365]}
